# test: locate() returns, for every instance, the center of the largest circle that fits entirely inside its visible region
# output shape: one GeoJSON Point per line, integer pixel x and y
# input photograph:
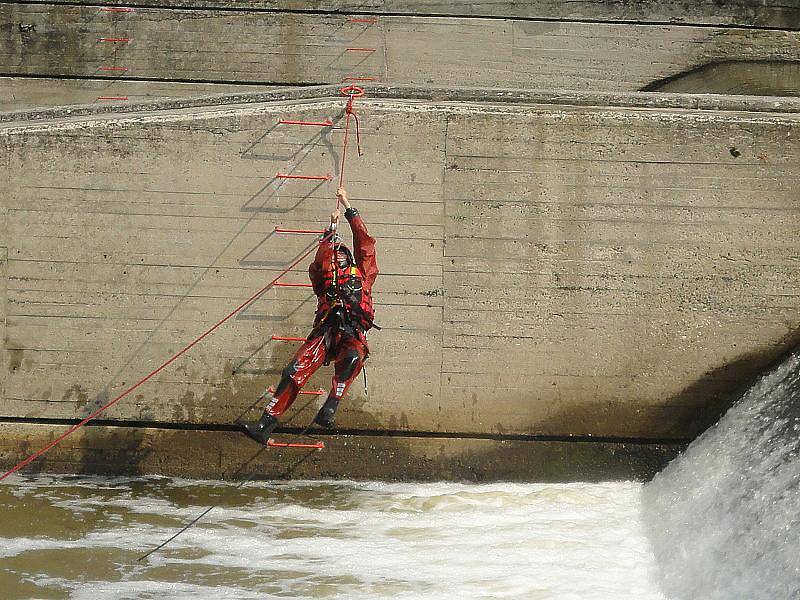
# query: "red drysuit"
{"type": "Point", "coordinates": [344, 315]}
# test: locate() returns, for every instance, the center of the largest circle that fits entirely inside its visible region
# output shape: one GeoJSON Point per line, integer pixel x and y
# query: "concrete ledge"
{"type": "Point", "coordinates": [37, 93]}
{"type": "Point", "coordinates": [110, 450]}
{"type": "Point", "coordinates": [644, 100]}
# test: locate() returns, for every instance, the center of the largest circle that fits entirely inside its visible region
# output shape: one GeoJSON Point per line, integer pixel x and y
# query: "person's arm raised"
{"type": "Point", "coordinates": [363, 242]}
{"type": "Point", "coordinates": [324, 257]}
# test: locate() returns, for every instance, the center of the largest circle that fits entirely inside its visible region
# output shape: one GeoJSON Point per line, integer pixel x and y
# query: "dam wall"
{"type": "Point", "coordinates": [625, 46]}
{"type": "Point", "coordinates": [575, 272]}
{"type": "Point", "coordinates": [565, 288]}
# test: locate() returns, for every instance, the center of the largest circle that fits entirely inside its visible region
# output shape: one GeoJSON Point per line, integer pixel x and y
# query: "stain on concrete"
{"type": "Point", "coordinates": [76, 394]}
{"type": "Point", "coordinates": [15, 357]}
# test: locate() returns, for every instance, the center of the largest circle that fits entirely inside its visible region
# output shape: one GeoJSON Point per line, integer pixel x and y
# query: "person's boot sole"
{"type": "Point", "coordinates": [256, 436]}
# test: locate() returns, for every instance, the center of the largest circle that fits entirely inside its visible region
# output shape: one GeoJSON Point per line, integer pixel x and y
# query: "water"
{"type": "Point", "coordinates": [724, 517]}
{"type": "Point", "coordinates": [80, 537]}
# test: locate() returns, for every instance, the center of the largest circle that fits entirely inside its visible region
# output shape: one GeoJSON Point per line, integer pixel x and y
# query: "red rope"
{"type": "Point", "coordinates": [153, 373]}
{"type": "Point", "coordinates": [353, 92]}
{"type": "Point", "coordinates": [349, 112]}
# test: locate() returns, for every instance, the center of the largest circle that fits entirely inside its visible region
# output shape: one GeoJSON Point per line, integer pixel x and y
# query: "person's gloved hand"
{"type": "Point", "coordinates": [341, 195]}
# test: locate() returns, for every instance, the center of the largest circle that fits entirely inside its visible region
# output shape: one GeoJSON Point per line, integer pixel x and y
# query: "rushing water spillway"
{"type": "Point", "coordinates": [724, 517]}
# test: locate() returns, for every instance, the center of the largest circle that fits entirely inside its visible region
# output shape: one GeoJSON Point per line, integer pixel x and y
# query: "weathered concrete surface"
{"type": "Point", "coordinates": [207, 454]}
{"type": "Point", "coordinates": [301, 48]}
{"type": "Point", "coordinates": [546, 270]}
{"type": "Point", "coordinates": [20, 93]}
{"type": "Point", "coordinates": [5, 201]}
{"type": "Point", "coordinates": [761, 13]}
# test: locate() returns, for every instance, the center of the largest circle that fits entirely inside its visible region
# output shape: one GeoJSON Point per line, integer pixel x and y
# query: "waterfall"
{"type": "Point", "coordinates": [724, 517]}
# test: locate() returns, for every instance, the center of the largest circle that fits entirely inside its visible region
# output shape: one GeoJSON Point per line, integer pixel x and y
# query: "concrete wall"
{"type": "Point", "coordinates": [572, 282]}
{"type": "Point", "coordinates": [20, 93]}
{"type": "Point", "coordinates": [556, 271]}
{"type": "Point", "coordinates": [4, 204]}
{"type": "Point", "coordinates": [298, 48]}
{"type": "Point", "coordinates": [762, 13]}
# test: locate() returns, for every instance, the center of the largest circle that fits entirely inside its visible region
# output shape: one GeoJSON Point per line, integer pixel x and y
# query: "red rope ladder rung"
{"type": "Point", "coordinates": [112, 97]}
{"type": "Point", "coordinates": [271, 390]}
{"type": "Point", "coordinates": [325, 123]}
{"type": "Point", "coordinates": [283, 338]}
{"type": "Point", "coordinates": [370, 21]}
{"type": "Point", "coordinates": [299, 231]}
{"type": "Point", "coordinates": [327, 177]}
{"type": "Point", "coordinates": [117, 9]}
{"type": "Point", "coordinates": [315, 445]}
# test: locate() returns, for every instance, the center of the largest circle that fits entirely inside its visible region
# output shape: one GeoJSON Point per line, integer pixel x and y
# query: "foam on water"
{"type": "Point", "coordinates": [80, 537]}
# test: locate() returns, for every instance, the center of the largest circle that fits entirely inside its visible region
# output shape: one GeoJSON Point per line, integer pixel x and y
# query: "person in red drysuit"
{"type": "Point", "coordinates": [342, 281]}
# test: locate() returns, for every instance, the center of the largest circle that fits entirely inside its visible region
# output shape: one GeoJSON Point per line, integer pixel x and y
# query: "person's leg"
{"type": "Point", "coordinates": [349, 360]}
{"type": "Point", "coordinates": [304, 363]}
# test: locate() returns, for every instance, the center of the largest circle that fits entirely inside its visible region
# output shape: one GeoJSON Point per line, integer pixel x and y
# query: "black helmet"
{"type": "Point", "coordinates": [342, 248]}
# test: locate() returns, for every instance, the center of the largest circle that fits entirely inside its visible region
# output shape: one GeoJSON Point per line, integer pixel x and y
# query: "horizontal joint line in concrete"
{"type": "Point", "coordinates": [489, 157]}
{"type": "Point", "coordinates": [224, 427]}
{"type": "Point", "coordinates": [97, 76]}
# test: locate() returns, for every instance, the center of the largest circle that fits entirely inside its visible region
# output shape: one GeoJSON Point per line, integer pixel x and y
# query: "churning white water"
{"type": "Point", "coordinates": [724, 517]}
{"type": "Point", "coordinates": [80, 537]}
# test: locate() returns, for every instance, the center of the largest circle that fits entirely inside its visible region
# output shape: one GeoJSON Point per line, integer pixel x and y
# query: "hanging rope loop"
{"type": "Point", "coordinates": [358, 135]}
{"type": "Point", "coordinates": [352, 92]}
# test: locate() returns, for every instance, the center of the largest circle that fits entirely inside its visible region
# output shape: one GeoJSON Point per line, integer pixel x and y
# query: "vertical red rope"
{"type": "Point", "coordinates": [352, 92]}
{"type": "Point", "coordinates": [344, 147]}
